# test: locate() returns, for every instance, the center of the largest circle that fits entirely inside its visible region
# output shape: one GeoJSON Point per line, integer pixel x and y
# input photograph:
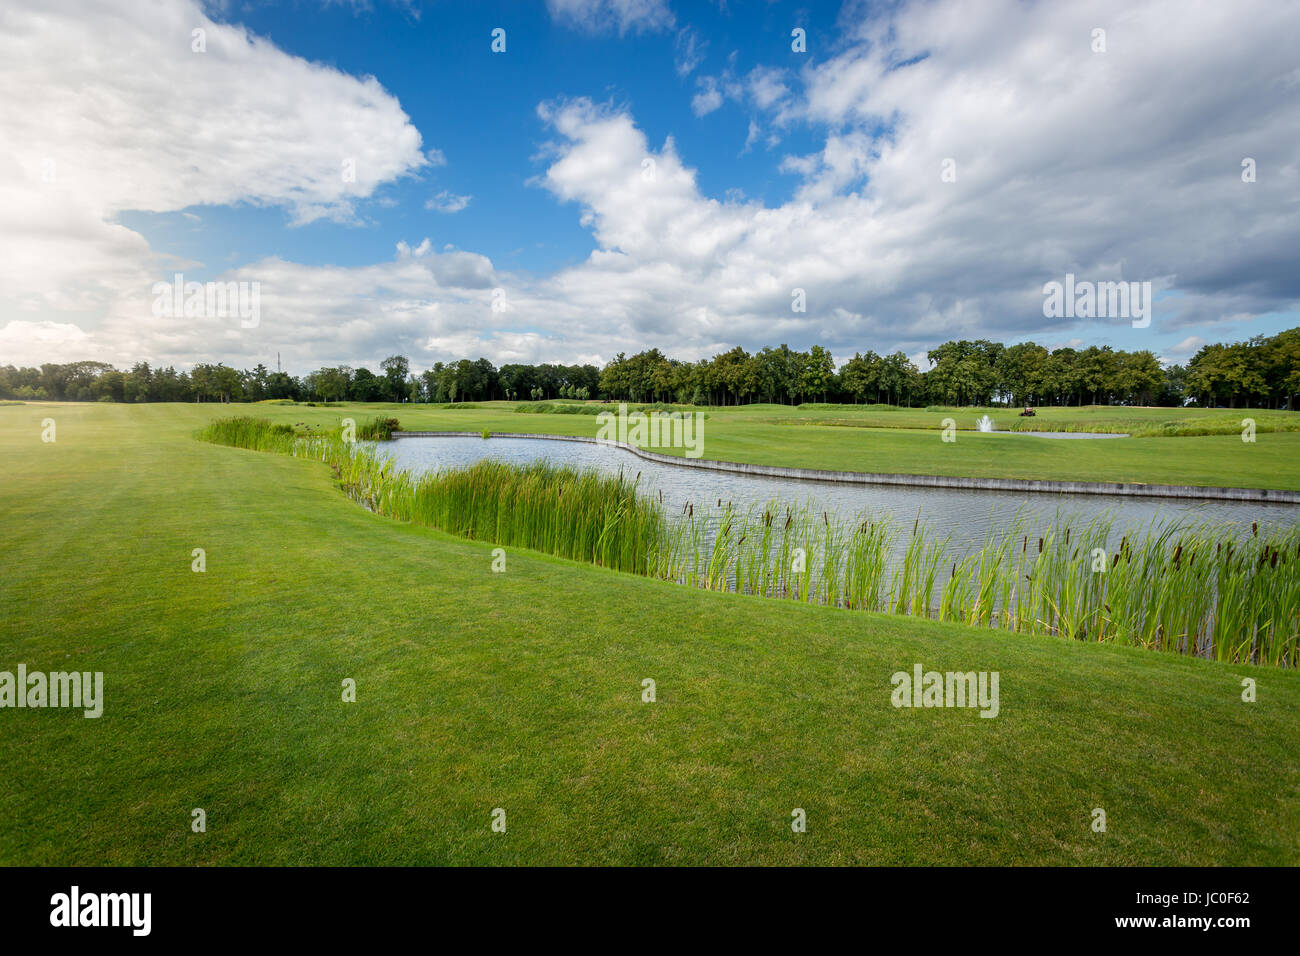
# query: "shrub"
{"type": "Point", "coordinates": [558, 408]}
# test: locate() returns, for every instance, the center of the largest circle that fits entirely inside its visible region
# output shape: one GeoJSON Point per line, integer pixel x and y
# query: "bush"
{"type": "Point", "coordinates": [845, 407]}
{"type": "Point", "coordinates": [553, 408]}
{"type": "Point", "coordinates": [556, 408]}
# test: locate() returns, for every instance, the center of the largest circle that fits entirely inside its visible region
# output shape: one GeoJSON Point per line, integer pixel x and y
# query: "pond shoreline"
{"type": "Point", "coordinates": [1271, 496]}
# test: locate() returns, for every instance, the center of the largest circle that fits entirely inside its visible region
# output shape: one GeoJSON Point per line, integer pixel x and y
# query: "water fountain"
{"type": "Point", "coordinates": [985, 424]}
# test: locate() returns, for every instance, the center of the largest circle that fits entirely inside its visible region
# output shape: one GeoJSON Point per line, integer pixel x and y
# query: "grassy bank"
{"type": "Point", "coordinates": [522, 690]}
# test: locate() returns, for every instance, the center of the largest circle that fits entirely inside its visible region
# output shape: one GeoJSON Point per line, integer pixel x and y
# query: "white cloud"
{"type": "Point", "coordinates": [87, 132]}
{"type": "Point", "coordinates": [447, 202]}
{"type": "Point", "coordinates": [766, 85]}
{"type": "Point", "coordinates": [599, 16]}
{"type": "Point", "coordinates": [1187, 347]}
{"type": "Point", "coordinates": [688, 51]}
{"type": "Point", "coordinates": [1065, 160]}
{"type": "Point", "coordinates": [1116, 165]}
{"type": "Point", "coordinates": [32, 343]}
{"type": "Point", "coordinates": [708, 99]}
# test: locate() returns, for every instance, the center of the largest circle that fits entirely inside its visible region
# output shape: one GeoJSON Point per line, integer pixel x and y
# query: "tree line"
{"type": "Point", "coordinates": [1262, 372]}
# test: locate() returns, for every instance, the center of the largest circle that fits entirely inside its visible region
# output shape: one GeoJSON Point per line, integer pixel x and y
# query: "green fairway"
{"type": "Point", "coordinates": [523, 690]}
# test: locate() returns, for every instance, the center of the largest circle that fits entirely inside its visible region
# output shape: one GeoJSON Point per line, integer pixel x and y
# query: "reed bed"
{"type": "Point", "coordinates": [244, 431]}
{"type": "Point", "coordinates": [1200, 589]}
{"type": "Point", "coordinates": [1206, 590]}
{"type": "Point", "coordinates": [584, 515]}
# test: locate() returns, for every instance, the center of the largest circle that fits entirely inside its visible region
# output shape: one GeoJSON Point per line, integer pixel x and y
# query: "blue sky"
{"type": "Point", "coordinates": [518, 178]}
{"type": "Point", "coordinates": [479, 109]}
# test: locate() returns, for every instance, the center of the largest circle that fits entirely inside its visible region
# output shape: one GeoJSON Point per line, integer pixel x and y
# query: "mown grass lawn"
{"type": "Point", "coordinates": [523, 691]}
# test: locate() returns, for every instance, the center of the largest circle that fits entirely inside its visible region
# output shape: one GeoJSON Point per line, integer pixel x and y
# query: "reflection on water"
{"type": "Point", "coordinates": [965, 514]}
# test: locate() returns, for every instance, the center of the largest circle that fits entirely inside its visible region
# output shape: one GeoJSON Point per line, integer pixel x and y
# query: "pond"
{"type": "Point", "coordinates": [965, 514]}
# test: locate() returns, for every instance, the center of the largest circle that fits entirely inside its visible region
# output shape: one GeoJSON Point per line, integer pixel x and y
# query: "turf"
{"type": "Point", "coordinates": [523, 690]}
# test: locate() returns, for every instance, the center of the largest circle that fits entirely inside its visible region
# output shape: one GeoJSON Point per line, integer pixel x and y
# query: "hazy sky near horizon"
{"type": "Point", "coordinates": [639, 173]}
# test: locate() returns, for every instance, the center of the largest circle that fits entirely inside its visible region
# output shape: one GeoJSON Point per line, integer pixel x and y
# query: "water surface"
{"type": "Point", "coordinates": [965, 514]}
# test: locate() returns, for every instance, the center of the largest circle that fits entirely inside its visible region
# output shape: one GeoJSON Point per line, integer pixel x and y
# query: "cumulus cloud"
{"type": "Point", "coordinates": [32, 343]}
{"type": "Point", "coordinates": [106, 107]}
{"type": "Point", "coordinates": [1115, 165]}
{"type": "Point", "coordinates": [318, 315]}
{"type": "Point", "coordinates": [1122, 165]}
